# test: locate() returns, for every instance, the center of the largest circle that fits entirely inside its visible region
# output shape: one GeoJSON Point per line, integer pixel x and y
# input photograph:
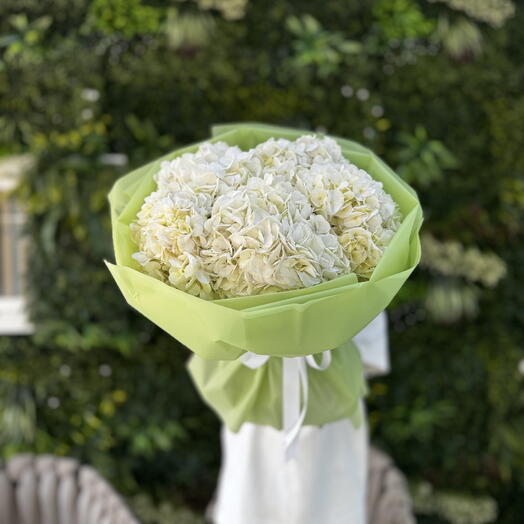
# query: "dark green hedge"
{"type": "Point", "coordinates": [435, 91]}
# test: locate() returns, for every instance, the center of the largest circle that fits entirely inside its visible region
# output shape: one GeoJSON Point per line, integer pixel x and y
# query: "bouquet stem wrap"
{"type": "Point", "coordinates": [283, 392]}
{"type": "Point", "coordinates": [286, 324]}
{"type": "Point", "coordinates": [295, 388]}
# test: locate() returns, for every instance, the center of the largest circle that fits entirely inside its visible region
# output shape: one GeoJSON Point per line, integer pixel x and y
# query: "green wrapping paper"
{"type": "Point", "coordinates": [284, 324]}
{"type": "Point", "coordinates": [240, 394]}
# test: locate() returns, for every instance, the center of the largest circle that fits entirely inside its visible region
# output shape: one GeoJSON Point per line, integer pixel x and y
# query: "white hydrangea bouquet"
{"type": "Point", "coordinates": [267, 242]}
{"type": "Point", "coordinates": [284, 215]}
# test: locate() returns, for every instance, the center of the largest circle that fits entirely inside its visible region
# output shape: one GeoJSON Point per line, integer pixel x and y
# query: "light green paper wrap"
{"type": "Point", "coordinates": [283, 324]}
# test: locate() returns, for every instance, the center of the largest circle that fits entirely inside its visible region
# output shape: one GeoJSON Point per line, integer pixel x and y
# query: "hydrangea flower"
{"type": "Point", "coordinates": [283, 215]}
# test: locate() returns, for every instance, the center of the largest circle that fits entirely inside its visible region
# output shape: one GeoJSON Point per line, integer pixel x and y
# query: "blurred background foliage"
{"type": "Point", "coordinates": [92, 88]}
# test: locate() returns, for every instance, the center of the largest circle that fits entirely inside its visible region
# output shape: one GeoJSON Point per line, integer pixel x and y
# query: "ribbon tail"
{"type": "Point", "coordinates": [295, 386]}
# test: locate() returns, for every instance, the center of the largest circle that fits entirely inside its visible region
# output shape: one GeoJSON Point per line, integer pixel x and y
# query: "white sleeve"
{"type": "Point", "coordinates": [373, 345]}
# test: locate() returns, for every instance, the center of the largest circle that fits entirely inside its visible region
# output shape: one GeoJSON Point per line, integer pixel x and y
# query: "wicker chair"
{"type": "Point", "coordinates": [388, 497]}
{"type": "Point", "coordinates": [52, 490]}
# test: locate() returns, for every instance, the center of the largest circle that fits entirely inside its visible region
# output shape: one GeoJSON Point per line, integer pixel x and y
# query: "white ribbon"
{"type": "Point", "coordinates": [295, 389]}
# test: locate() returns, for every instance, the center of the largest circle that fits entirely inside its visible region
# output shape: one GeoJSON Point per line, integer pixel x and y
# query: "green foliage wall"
{"type": "Point", "coordinates": [94, 88]}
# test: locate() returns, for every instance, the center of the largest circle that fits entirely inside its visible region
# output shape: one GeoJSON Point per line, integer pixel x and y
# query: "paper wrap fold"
{"type": "Point", "coordinates": [283, 324]}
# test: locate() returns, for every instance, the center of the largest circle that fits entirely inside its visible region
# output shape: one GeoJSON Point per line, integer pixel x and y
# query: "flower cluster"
{"type": "Point", "coordinates": [452, 259]}
{"type": "Point", "coordinates": [283, 215]}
